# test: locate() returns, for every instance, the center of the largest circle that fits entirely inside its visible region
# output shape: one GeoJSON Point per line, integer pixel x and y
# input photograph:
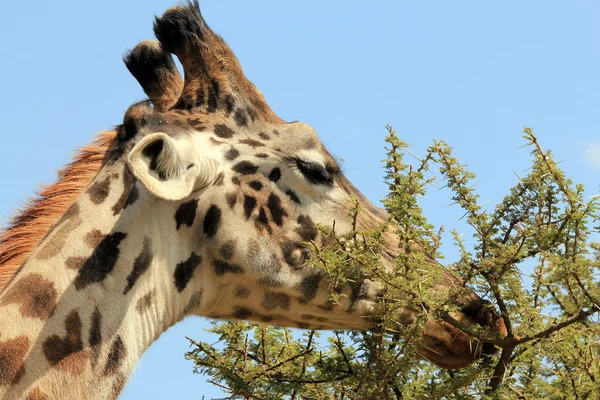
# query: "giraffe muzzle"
{"type": "Point", "coordinates": [451, 348]}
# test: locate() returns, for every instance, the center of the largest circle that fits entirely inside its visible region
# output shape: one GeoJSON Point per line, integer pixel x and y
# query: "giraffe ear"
{"type": "Point", "coordinates": [168, 168]}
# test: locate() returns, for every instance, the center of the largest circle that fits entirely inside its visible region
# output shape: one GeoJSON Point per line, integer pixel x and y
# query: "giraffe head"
{"type": "Point", "coordinates": [203, 204]}
{"type": "Point", "coordinates": [238, 192]}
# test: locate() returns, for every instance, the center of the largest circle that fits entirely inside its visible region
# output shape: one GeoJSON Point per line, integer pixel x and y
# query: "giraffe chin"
{"type": "Point", "coordinates": [447, 346]}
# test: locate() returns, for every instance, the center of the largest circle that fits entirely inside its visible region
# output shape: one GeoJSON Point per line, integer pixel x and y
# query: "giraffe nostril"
{"type": "Point", "coordinates": [483, 313]}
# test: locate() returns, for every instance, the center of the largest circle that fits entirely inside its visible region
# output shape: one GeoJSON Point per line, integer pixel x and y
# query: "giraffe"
{"type": "Point", "coordinates": [200, 203]}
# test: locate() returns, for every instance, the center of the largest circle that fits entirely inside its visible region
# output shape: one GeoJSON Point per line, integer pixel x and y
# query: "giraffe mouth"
{"type": "Point", "coordinates": [449, 347]}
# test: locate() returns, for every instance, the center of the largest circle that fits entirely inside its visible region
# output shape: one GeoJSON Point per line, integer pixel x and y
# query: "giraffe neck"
{"type": "Point", "coordinates": [77, 316]}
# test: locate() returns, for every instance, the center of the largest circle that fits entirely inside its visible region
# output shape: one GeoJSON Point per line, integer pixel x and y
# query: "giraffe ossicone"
{"type": "Point", "coordinates": [200, 202]}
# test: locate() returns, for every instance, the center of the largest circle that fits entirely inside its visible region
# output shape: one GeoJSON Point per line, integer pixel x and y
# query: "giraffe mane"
{"type": "Point", "coordinates": [31, 223]}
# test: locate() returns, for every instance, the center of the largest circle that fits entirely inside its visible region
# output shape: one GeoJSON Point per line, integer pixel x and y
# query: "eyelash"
{"type": "Point", "coordinates": [315, 173]}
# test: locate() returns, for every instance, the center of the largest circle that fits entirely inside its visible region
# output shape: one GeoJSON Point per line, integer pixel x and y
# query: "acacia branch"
{"type": "Point", "coordinates": [500, 370]}
{"type": "Point", "coordinates": [579, 317]}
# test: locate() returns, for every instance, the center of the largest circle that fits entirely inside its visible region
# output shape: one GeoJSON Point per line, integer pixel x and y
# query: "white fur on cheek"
{"type": "Point", "coordinates": [206, 164]}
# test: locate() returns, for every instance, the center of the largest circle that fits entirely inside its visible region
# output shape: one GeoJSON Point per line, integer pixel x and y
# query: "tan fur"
{"type": "Point", "coordinates": [30, 224]}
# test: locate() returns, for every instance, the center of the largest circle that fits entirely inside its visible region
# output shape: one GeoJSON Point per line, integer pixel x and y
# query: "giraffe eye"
{"type": "Point", "coordinates": [315, 173]}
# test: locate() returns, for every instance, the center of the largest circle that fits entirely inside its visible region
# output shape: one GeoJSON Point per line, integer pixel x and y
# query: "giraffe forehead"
{"type": "Point", "coordinates": [286, 138]}
{"type": "Point", "coordinates": [283, 145]}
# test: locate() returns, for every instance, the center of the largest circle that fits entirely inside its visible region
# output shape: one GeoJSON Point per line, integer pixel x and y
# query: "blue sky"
{"type": "Point", "coordinates": [472, 73]}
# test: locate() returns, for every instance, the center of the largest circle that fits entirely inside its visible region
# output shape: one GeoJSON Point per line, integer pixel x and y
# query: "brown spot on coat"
{"type": "Point", "coordinates": [273, 300]}
{"type": "Point", "coordinates": [99, 191]}
{"type": "Point", "coordinates": [261, 222]}
{"type": "Point", "coordinates": [307, 230]}
{"type": "Point", "coordinates": [256, 185]}
{"type": "Point", "coordinates": [360, 291]}
{"type": "Point", "coordinates": [35, 295]}
{"type": "Point", "coordinates": [197, 124]}
{"type": "Point", "coordinates": [292, 195]}
{"type": "Point", "coordinates": [252, 113]}
{"type": "Point", "coordinates": [12, 356]}
{"type": "Point", "coordinates": [278, 213]}
{"type": "Point", "coordinates": [96, 328]}
{"type": "Point", "coordinates": [328, 306]}
{"type": "Point", "coordinates": [275, 174]}
{"type": "Point", "coordinates": [231, 199]}
{"type": "Point", "coordinates": [115, 357]}
{"type": "Point", "coordinates": [186, 213]}
{"type": "Point", "coordinates": [95, 337]}
{"type": "Point", "coordinates": [223, 131]}
{"type": "Point", "coordinates": [128, 189]}
{"type": "Point", "coordinates": [145, 302]}
{"type": "Point", "coordinates": [75, 263]}
{"type": "Point", "coordinates": [240, 117]}
{"type": "Point", "coordinates": [185, 270]}
{"type": "Point", "coordinates": [311, 317]}
{"type": "Point", "coordinates": [229, 103]}
{"type": "Point", "coordinates": [36, 394]}
{"type": "Point", "coordinates": [252, 143]}
{"type": "Point", "coordinates": [241, 292]}
{"type": "Point", "coordinates": [222, 267]}
{"type": "Point", "coordinates": [249, 205]}
{"type": "Point", "coordinates": [245, 168]}
{"type": "Point", "coordinates": [72, 212]}
{"type": "Point", "coordinates": [101, 262]}
{"type": "Point", "coordinates": [242, 312]}
{"type": "Point", "coordinates": [133, 196]}
{"type": "Point", "coordinates": [227, 250]}
{"type": "Point", "coordinates": [212, 221]}
{"type": "Point", "coordinates": [232, 154]}
{"type": "Point", "coordinates": [93, 238]}
{"type": "Point", "coordinates": [309, 286]}
{"type": "Point", "coordinates": [67, 354]}
{"type": "Point", "coordinates": [193, 303]}
{"type": "Point", "coordinates": [58, 238]}
{"type": "Point", "coordinates": [140, 265]}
